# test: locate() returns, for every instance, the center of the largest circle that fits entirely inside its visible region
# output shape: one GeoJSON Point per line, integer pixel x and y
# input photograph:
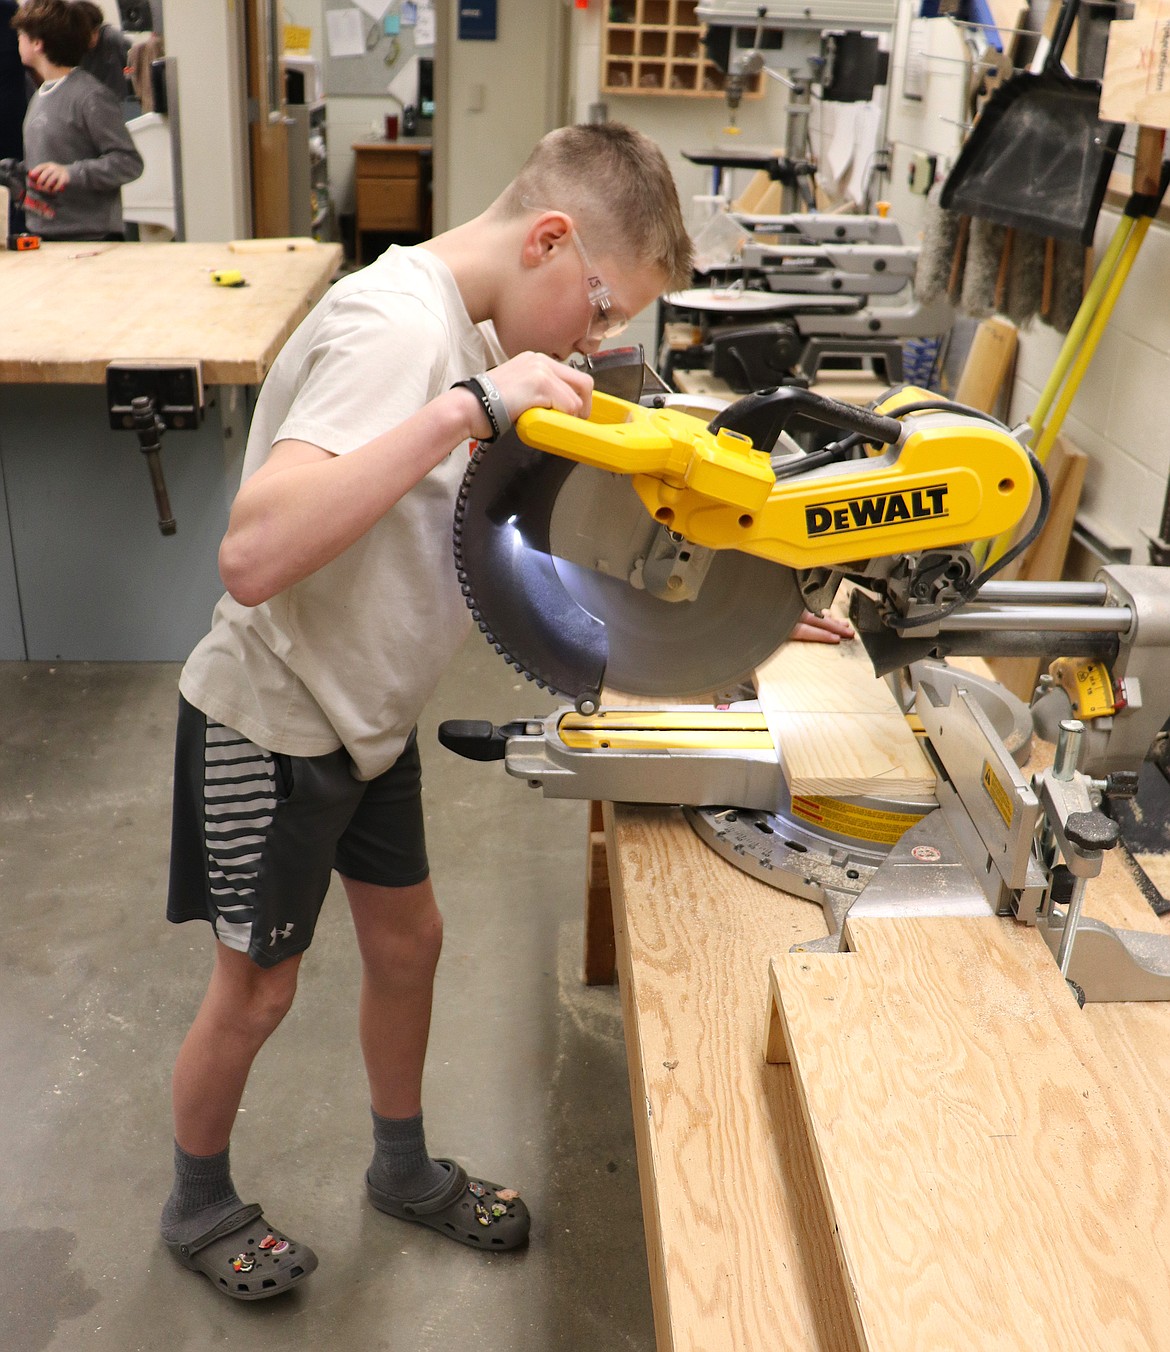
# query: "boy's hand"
{"type": "Point", "coordinates": [532, 380]}
{"type": "Point", "coordinates": [812, 628]}
{"type": "Point", "coordinates": [49, 177]}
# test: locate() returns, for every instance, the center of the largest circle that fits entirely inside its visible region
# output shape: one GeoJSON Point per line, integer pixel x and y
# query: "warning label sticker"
{"type": "Point", "coordinates": [852, 819]}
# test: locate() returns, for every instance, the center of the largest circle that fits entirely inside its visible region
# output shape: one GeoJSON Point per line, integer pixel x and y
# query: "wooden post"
{"type": "Point", "coordinates": [600, 958]}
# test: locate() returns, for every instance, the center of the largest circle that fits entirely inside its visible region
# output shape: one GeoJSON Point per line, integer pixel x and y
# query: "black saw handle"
{"type": "Point", "coordinates": [764, 415]}
{"type": "Point", "coordinates": [477, 739]}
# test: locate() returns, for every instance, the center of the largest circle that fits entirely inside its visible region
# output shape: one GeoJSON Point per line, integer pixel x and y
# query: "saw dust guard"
{"type": "Point", "coordinates": [663, 556]}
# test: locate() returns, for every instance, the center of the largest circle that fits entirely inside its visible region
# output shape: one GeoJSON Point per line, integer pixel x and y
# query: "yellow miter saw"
{"type": "Point", "coordinates": [665, 554]}
{"type": "Point", "coordinates": [682, 586]}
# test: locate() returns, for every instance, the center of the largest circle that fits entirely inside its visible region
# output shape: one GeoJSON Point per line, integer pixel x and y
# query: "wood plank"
{"type": "Point", "coordinates": [1136, 83]}
{"type": "Point", "coordinates": [600, 954]}
{"type": "Point", "coordinates": [836, 726]}
{"type": "Point", "coordinates": [850, 387]}
{"type": "Point", "coordinates": [70, 309]}
{"type": "Point", "coordinates": [989, 1175]}
{"type": "Point", "coordinates": [989, 364]}
{"type": "Point", "coordinates": [739, 1250]}
{"type": "Point", "coordinates": [1044, 559]}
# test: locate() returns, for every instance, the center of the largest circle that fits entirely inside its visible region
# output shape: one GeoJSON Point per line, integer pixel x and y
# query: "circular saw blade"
{"type": "Point", "coordinates": [745, 608]}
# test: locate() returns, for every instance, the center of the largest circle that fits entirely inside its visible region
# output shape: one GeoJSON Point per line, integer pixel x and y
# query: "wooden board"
{"type": "Point", "coordinates": [836, 725]}
{"type": "Point", "coordinates": [850, 387]}
{"type": "Point", "coordinates": [992, 1180]}
{"type": "Point", "coordinates": [989, 364]}
{"type": "Point", "coordinates": [1044, 559]}
{"type": "Point", "coordinates": [1136, 83]}
{"type": "Point", "coordinates": [70, 309]}
{"type": "Point", "coordinates": [738, 1246]}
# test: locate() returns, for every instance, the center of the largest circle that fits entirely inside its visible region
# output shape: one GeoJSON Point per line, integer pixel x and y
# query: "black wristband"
{"type": "Point", "coordinates": [492, 402]}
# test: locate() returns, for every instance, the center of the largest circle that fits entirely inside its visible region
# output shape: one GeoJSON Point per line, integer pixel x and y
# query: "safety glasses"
{"type": "Point", "coordinates": [608, 319]}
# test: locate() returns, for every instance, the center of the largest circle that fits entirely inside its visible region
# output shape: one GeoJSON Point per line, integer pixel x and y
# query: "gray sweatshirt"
{"type": "Point", "coordinates": [77, 122]}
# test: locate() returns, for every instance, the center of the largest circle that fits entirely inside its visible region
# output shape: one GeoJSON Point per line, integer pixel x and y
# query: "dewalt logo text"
{"type": "Point", "coordinates": [842, 516]}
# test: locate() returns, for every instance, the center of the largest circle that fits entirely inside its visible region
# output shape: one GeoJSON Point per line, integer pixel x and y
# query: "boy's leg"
{"type": "Point", "coordinates": [243, 1006]}
{"type": "Point", "coordinates": [400, 933]}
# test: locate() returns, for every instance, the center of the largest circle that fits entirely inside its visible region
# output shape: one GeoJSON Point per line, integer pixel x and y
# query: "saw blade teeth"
{"type": "Point", "coordinates": [462, 499]}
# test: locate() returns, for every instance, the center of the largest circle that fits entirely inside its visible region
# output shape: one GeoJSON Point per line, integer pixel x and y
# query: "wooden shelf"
{"type": "Point", "coordinates": [656, 47]}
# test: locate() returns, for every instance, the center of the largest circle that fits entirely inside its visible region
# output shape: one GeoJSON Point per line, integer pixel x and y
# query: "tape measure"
{"type": "Point", "coordinates": [22, 243]}
{"type": "Point", "coordinates": [228, 277]}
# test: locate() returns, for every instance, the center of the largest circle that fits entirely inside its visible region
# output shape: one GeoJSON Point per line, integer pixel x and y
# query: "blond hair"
{"type": "Point", "coordinates": [615, 184]}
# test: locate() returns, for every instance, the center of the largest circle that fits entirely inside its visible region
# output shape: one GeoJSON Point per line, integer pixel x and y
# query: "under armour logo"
{"type": "Point", "coordinates": [279, 934]}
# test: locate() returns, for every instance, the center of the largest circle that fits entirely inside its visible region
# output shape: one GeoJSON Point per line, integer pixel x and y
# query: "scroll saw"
{"type": "Point", "coordinates": [655, 552]}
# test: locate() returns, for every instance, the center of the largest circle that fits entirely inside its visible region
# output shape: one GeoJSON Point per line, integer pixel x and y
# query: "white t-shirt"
{"type": "Point", "coordinates": [349, 656]}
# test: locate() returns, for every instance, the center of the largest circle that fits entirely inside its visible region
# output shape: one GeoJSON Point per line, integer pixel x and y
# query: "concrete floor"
{"type": "Point", "coordinates": [526, 1070]}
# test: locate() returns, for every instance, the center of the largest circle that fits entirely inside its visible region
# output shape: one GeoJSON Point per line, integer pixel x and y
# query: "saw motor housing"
{"type": "Point", "coordinates": [934, 480]}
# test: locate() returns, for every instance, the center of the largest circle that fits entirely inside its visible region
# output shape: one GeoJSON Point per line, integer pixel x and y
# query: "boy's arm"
{"type": "Point", "coordinates": [305, 506]}
{"type": "Point", "coordinates": [117, 160]}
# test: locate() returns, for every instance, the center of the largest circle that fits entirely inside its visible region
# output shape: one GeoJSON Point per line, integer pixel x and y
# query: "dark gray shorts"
{"type": "Point", "coordinates": [255, 835]}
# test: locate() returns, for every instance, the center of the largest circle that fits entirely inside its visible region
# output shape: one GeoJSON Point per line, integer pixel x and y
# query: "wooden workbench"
{"type": "Point", "coordinates": [69, 309]}
{"type": "Point", "coordinates": [962, 1159]}
{"type": "Point", "coordinates": [84, 572]}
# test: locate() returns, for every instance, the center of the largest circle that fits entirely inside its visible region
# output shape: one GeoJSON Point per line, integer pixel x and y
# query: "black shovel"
{"type": "Point", "coordinates": [1039, 157]}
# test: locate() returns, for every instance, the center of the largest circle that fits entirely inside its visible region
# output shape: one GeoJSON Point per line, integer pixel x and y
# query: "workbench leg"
{"type": "Point", "coordinates": [600, 954]}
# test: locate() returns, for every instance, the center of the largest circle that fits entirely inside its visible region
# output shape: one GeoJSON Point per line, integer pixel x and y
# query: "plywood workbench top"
{"type": "Point", "coordinates": [71, 308]}
{"type": "Point", "coordinates": [766, 1234]}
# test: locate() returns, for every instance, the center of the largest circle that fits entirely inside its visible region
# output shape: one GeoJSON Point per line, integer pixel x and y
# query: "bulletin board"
{"type": "Point", "coordinates": [369, 74]}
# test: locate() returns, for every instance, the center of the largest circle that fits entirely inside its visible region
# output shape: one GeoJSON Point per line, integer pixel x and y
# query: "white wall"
{"type": "Point", "coordinates": [207, 42]}
{"type": "Point", "coordinates": [928, 126]}
{"type": "Point", "coordinates": [520, 77]}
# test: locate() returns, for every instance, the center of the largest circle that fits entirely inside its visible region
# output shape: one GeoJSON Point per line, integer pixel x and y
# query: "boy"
{"type": "Point", "coordinates": [295, 749]}
{"type": "Point", "coordinates": [76, 144]}
{"type": "Point", "coordinates": [108, 51]}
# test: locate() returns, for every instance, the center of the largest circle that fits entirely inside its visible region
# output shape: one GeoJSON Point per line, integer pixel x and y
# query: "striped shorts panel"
{"type": "Point", "coordinates": [256, 835]}
{"type": "Point", "coordinates": [239, 802]}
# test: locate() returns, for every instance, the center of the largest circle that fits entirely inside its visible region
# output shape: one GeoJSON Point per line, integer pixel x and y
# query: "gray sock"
{"type": "Point", "coordinates": [203, 1194]}
{"type": "Point", "coordinates": [401, 1165]}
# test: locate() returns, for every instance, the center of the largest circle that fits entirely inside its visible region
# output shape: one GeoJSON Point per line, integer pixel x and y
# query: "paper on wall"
{"type": "Point", "coordinates": [345, 32]}
{"type": "Point", "coordinates": [404, 86]}
{"type": "Point", "coordinates": [866, 134]}
{"type": "Point", "coordinates": [375, 8]}
{"type": "Point", "coordinates": [424, 27]}
{"type": "Point", "coordinates": [842, 119]}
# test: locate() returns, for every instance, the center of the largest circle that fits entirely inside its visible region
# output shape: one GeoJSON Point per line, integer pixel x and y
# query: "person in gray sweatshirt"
{"type": "Point", "coordinates": [76, 145]}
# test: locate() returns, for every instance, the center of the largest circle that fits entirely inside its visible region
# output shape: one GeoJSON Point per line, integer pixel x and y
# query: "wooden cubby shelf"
{"type": "Point", "coordinates": [656, 47]}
